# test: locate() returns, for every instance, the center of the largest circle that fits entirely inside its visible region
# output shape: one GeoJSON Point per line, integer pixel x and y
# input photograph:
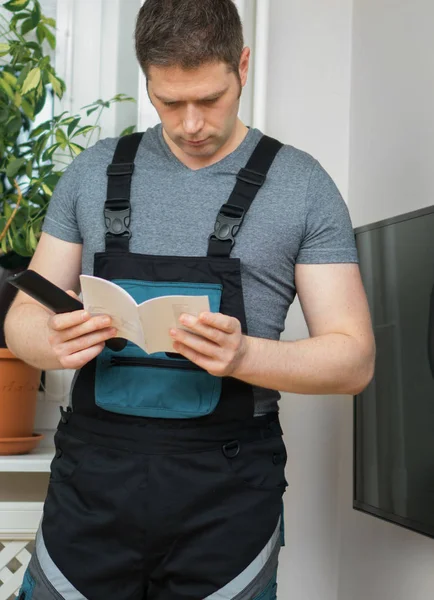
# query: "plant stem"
{"type": "Point", "coordinates": [11, 218]}
{"type": "Point", "coordinates": [96, 123]}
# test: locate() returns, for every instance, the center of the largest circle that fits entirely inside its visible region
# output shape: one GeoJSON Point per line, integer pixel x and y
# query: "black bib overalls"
{"type": "Point", "coordinates": [164, 485]}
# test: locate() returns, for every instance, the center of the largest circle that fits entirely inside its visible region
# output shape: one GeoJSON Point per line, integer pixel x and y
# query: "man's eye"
{"type": "Point", "coordinates": [170, 103]}
{"type": "Point", "coordinates": [211, 101]}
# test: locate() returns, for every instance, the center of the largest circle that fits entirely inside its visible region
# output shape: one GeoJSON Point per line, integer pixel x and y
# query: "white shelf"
{"type": "Point", "coordinates": [37, 461]}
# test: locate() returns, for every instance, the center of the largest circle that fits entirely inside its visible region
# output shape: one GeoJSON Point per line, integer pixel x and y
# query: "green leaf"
{"type": "Point", "coordinates": [7, 210]}
{"type": "Point", "coordinates": [23, 74]}
{"type": "Point", "coordinates": [76, 148]}
{"type": "Point", "coordinates": [9, 77]}
{"type": "Point", "coordinates": [32, 239]}
{"type": "Point", "coordinates": [27, 109]}
{"type": "Point", "coordinates": [4, 85]}
{"type": "Point", "coordinates": [49, 21]}
{"type": "Point", "coordinates": [41, 128]}
{"type": "Point", "coordinates": [90, 111]}
{"type": "Point", "coordinates": [123, 98]}
{"type": "Point", "coordinates": [50, 151]}
{"type": "Point", "coordinates": [128, 130]}
{"type": "Point", "coordinates": [55, 84]}
{"type": "Point", "coordinates": [14, 166]}
{"type": "Point", "coordinates": [27, 26]}
{"type": "Point", "coordinates": [50, 37]}
{"type": "Point", "coordinates": [73, 125]}
{"type": "Point", "coordinates": [17, 100]}
{"type": "Point", "coordinates": [29, 169]}
{"type": "Point", "coordinates": [40, 33]}
{"type": "Point", "coordinates": [32, 80]}
{"type": "Point", "coordinates": [57, 118]}
{"type": "Point", "coordinates": [46, 189]}
{"type": "Point", "coordinates": [84, 130]}
{"type": "Point", "coordinates": [14, 126]}
{"type": "Point", "coordinates": [40, 102]}
{"type": "Point", "coordinates": [4, 49]}
{"type": "Point", "coordinates": [61, 138]}
{"type": "Point", "coordinates": [16, 5]}
{"type": "Point", "coordinates": [19, 246]}
{"type": "Point", "coordinates": [36, 14]}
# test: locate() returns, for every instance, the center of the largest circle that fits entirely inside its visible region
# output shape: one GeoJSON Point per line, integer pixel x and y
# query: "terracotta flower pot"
{"type": "Point", "coordinates": [19, 384]}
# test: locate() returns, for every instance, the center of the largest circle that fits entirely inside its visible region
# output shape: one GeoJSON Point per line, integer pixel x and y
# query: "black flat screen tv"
{"type": "Point", "coordinates": [393, 472]}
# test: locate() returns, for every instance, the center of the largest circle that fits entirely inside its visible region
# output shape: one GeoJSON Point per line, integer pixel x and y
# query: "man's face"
{"type": "Point", "coordinates": [198, 107]}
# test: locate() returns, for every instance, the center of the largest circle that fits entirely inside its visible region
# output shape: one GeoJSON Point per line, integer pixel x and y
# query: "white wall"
{"type": "Point", "coordinates": [308, 106]}
{"type": "Point", "coordinates": [391, 157]}
{"type": "Point", "coordinates": [392, 125]}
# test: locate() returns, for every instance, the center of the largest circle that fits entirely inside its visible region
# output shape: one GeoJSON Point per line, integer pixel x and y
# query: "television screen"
{"type": "Point", "coordinates": [394, 415]}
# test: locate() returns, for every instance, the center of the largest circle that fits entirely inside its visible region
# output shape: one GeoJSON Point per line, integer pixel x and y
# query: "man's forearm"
{"type": "Point", "coordinates": [328, 364]}
{"type": "Point", "coordinates": [26, 335]}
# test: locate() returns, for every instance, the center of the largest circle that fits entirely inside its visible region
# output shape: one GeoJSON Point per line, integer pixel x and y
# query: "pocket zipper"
{"type": "Point", "coordinates": [130, 361]}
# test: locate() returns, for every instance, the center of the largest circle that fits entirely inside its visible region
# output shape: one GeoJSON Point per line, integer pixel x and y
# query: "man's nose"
{"type": "Point", "coordinates": [193, 120]}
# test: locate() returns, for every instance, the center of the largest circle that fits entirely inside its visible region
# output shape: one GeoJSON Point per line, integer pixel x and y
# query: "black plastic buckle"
{"type": "Point", "coordinates": [117, 222]}
{"type": "Point", "coordinates": [120, 169]}
{"type": "Point", "coordinates": [231, 449]}
{"type": "Point", "coordinates": [250, 176]}
{"type": "Point", "coordinates": [228, 223]}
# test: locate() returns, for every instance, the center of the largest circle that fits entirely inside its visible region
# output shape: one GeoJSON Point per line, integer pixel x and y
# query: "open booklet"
{"type": "Point", "coordinates": [146, 324]}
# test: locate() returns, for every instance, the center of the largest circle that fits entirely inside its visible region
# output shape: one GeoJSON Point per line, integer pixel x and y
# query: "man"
{"type": "Point", "coordinates": [169, 471]}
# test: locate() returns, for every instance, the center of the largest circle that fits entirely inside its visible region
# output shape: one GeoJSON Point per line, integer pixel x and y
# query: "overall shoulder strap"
{"type": "Point", "coordinates": [117, 207]}
{"type": "Point", "coordinates": [249, 181]}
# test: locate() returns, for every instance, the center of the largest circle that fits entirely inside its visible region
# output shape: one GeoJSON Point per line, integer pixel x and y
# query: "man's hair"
{"type": "Point", "coordinates": [188, 34]}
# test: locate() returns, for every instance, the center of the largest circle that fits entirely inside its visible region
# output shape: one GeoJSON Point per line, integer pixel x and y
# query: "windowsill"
{"type": "Point", "coordinates": [37, 461]}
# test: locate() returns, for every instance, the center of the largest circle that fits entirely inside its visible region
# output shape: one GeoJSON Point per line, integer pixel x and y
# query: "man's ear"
{"type": "Point", "coordinates": [244, 65]}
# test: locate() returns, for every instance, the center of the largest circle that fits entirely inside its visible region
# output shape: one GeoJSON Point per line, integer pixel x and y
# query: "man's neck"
{"type": "Point", "coordinates": [199, 162]}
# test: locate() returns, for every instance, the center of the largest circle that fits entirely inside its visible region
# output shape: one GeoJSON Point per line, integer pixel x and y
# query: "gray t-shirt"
{"type": "Point", "coordinates": [298, 216]}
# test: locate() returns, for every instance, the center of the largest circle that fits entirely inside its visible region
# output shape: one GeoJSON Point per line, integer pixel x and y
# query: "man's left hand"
{"type": "Point", "coordinates": [215, 342]}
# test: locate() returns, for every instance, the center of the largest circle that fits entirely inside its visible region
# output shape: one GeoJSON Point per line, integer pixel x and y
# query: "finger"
{"type": "Point", "coordinates": [87, 341]}
{"type": "Point", "coordinates": [223, 322]}
{"type": "Point", "coordinates": [195, 342]}
{"type": "Point", "coordinates": [59, 322]}
{"type": "Point", "coordinates": [211, 333]}
{"type": "Point", "coordinates": [199, 359]}
{"type": "Point", "coordinates": [79, 359]}
{"type": "Point", "coordinates": [89, 326]}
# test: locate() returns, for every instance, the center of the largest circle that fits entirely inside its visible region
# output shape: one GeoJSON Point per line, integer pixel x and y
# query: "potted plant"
{"type": "Point", "coordinates": [32, 160]}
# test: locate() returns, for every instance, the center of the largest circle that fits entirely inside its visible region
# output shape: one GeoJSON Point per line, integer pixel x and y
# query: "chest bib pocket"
{"type": "Point", "coordinates": [132, 382]}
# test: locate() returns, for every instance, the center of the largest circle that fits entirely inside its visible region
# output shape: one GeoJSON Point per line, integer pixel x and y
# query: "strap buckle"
{"type": "Point", "coordinates": [117, 222]}
{"type": "Point", "coordinates": [120, 169]}
{"type": "Point", "coordinates": [252, 177]}
{"type": "Point", "coordinates": [228, 222]}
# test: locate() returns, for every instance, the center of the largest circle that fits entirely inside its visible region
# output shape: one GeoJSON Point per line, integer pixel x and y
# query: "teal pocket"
{"type": "Point", "coordinates": [132, 382]}
{"type": "Point", "coordinates": [26, 591]}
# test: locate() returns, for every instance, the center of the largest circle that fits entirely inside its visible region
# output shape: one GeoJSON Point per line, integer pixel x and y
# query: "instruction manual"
{"type": "Point", "coordinates": [146, 324]}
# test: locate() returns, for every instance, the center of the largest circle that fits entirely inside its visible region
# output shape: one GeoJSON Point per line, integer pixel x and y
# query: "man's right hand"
{"type": "Point", "coordinates": [76, 337]}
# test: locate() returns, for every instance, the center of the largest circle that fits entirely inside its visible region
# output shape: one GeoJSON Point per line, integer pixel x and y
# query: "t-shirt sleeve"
{"type": "Point", "coordinates": [60, 220]}
{"type": "Point", "coordinates": [328, 234]}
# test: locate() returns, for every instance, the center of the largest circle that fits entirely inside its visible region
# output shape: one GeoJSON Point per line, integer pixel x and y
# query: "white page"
{"type": "Point", "coordinates": [159, 315]}
{"type": "Point", "coordinates": [101, 296]}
